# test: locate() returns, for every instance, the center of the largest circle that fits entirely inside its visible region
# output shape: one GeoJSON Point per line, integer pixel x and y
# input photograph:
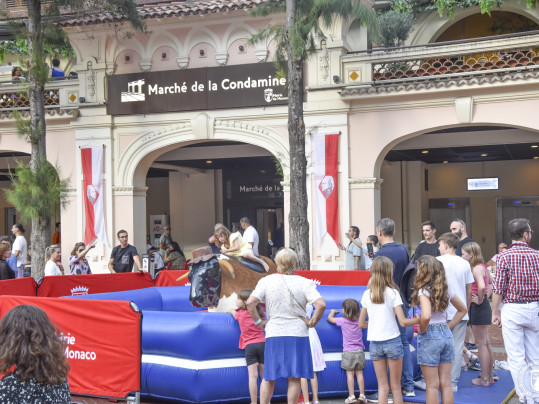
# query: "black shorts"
{"type": "Point", "coordinates": [480, 314]}
{"type": "Point", "coordinates": [254, 353]}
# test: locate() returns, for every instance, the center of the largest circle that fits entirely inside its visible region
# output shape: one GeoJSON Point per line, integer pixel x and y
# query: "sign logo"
{"type": "Point", "coordinates": [270, 96]}
{"type": "Point", "coordinates": [134, 92]}
{"type": "Point", "coordinates": [326, 186]}
{"type": "Point", "coordinates": [79, 291]}
{"type": "Point", "coordinates": [92, 194]}
{"type": "Point", "coordinates": [528, 379]}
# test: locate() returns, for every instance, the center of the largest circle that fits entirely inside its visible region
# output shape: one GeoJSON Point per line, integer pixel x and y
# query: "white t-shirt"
{"type": "Point", "coordinates": [436, 317]}
{"type": "Point", "coordinates": [283, 310]}
{"type": "Point", "coordinates": [458, 274]}
{"type": "Point", "coordinates": [52, 269]}
{"type": "Point", "coordinates": [250, 235]}
{"type": "Point", "coordinates": [382, 322]}
{"type": "Point", "coordinates": [20, 245]}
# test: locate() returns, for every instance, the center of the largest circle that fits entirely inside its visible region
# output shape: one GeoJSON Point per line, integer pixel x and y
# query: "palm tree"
{"type": "Point", "coordinates": [38, 29]}
{"type": "Point", "coordinates": [295, 42]}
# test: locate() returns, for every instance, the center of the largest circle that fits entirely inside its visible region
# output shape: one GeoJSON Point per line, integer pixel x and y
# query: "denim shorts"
{"type": "Point", "coordinates": [435, 346]}
{"type": "Point", "coordinates": [390, 349]}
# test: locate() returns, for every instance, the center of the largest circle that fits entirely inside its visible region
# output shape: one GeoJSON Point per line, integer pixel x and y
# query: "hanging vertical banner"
{"type": "Point", "coordinates": [326, 167]}
{"type": "Point", "coordinates": [92, 172]}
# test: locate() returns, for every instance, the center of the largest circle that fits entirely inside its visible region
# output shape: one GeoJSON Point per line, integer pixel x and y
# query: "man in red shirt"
{"type": "Point", "coordinates": [516, 283]}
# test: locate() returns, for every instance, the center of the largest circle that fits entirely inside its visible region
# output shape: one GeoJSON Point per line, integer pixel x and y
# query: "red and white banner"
{"type": "Point", "coordinates": [92, 171]}
{"type": "Point", "coordinates": [73, 285]}
{"type": "Point", "coordinates": [102, 340]}
{"type": "Point", "coordinates": [326, 181]}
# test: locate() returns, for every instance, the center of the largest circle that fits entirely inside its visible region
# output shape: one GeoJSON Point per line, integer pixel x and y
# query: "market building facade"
{"type": "Point", "coordinates": [193, 121]}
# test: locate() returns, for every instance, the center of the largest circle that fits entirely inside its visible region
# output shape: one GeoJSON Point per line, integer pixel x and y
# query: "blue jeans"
{"type": "Point", "coordinates": [407, 378]}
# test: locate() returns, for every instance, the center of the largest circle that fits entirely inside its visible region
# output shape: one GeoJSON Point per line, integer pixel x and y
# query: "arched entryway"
{"type": "Point", "coordinates": [191, 164]}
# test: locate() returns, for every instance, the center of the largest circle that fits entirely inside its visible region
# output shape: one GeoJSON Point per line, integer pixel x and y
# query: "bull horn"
{"type": "Point", "coordinates": [223, 263]}
{"type": "Point", "coordinates": [185, 275]}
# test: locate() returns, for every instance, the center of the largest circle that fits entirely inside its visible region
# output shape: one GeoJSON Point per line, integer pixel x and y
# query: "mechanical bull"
{"type": "Point", "coordinates": [216, 279]}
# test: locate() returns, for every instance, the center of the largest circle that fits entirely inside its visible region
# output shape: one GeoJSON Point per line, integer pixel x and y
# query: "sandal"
{"type": "Point", "coordinates": [362, 398]}
{"type": "Point", "coordinates": [350, 400]}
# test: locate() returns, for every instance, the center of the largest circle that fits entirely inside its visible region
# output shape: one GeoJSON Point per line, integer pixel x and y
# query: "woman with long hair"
{"type": "Point", "coordinates": [233, 244]}
{"type": "Point", "coordinates": [435, 347]}
{"type": "Point", "coordinates": [382, 302]}
{"type": "Point", "coordinates": [175, 257]}
{"type": "Point", "coordinates": [32, 359]}
{"type": "Point", "coordinates": [53, 255]}
{"type": "Point", "coordinates": [480, 312]}
{"type": "Point", "coordinates": [78, 264]}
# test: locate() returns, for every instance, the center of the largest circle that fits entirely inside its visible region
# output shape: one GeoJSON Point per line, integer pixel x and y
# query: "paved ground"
{"type": "Point", "coordinates": [496, 340]}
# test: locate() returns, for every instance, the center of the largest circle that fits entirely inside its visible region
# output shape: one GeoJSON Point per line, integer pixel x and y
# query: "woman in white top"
{"type": "Point", "coordinates": [382, 301]}
{"type": "Point", "coordinates": [54, 255]}
{"type": "Point", "coordinates": [287, 352]}
{"type": "Point", "coordinates": [435, 347]}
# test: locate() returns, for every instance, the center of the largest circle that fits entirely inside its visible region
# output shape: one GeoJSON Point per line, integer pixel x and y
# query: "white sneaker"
{"type": "Point", "coordinates": [420, 384]}
{"type": "Point", "coordinates": [455, 388]}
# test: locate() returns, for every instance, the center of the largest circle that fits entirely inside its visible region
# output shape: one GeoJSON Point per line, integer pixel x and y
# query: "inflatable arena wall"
{"type": "Point", "coordinates": [190, 356]}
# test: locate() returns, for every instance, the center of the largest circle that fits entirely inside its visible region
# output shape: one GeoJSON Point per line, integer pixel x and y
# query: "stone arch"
{"type": "Point", "coordinates": [382, 154]}
{"type": "Point", "coordinates": [162, 38]}
{"type": "Point", "coordinates": [199, 35]}
{"type": "Point", "coordinates": [235, 32]}
{"type": "Point", "coordinates": [140, 154]}
{"type": "Point", "coordinates": [432, 25]}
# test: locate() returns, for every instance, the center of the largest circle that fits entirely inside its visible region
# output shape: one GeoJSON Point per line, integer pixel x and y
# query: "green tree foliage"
{"type": "Point", "coordinates": [449, 6]}
{"type": "Point", "coordinates": [394, 28]}
{"type": "Point", "coordinates": [36, 193]}
{"type": "Point", "coordinates": [37, 190]}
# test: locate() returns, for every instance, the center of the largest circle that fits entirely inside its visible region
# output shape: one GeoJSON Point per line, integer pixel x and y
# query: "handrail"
{"type": "Point", "coordinates": [445, 43]}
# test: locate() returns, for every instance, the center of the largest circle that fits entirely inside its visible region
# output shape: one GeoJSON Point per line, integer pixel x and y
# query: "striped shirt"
{"type": "Point", "coordinates": [517, 274]}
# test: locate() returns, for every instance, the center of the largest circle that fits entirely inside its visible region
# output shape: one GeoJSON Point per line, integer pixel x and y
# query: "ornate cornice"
{"type": "Point", "coordinates": [129, 191]}
{"type": "Point", "coordinates": [365, 183]}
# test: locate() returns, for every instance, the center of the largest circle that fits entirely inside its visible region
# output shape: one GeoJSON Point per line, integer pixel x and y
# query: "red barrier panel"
{"type": "Point", "coordinates": [344, 278]}
{"type": "Point", "coordinates": [102, 342]}
{"type": "Point", "coordinates": [72, 285]}
{"type": "Point", "coordinates": [168, 278]}
{"type": "Point", "coordinates": [19, 287]}
{"type": "Point", "coordinates": [339, 278]}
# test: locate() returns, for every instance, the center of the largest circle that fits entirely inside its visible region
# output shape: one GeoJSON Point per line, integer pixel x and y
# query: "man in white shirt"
{"type": "Point", "coordinates": [459, 279]}
{"type": "Point", "coordinates": [250, 235]}
{"type": "Point", "coordinates": [19, 248]}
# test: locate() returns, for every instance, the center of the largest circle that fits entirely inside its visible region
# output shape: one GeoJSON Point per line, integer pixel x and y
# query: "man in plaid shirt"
{"type": "Point", "coordinates": [516, 283]}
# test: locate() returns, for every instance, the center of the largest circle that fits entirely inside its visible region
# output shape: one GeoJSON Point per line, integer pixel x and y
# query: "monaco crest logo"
{"type": "Point", "coordinates": [79, 291]}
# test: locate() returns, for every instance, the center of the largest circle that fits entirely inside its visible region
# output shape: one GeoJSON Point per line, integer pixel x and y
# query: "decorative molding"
{"type": "Point", "coordinates": [145, 64]}
{"type": "Point", "coordinates": [246, 126]}
{"type": "Point", "coordinates": [464, 109]}
{"type": "Point", "coordinates": [261, 54]}
{"type": "Point", "coordinates": [164, 131]}
{"type": "Point", "coordinates": [71, 192]}
{"type": "Point", "coordinates": [221, 58]}
{"type": "Point", "coordinates": [183, 62]}
{"type": "Point", "coordinates": [324, 62]}
{"type": "Point", "coordinates": [202, 126]}
{"type": "Point", "coordinates": [365, 183]}
{"type": "Point", "coordinates": [286, 185]}
{"type": "Point", "coordinates": [129, 191]}
{"type": "Point", "coordinates": [90, 81]}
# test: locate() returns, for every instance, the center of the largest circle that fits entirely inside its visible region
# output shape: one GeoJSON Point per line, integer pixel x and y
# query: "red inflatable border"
{"type": "Point", "coordinates": [102, 339]}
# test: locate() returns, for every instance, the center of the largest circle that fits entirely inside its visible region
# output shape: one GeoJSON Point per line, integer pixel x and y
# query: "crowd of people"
{"type": "Point", "coordinates": [449, 292]}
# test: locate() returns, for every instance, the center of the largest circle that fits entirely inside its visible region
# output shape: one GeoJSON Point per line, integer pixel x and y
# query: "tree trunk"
{"type": "Point", "coordinates": [299, 225]}
{"type": "Point", "coordinates": [36, 79]}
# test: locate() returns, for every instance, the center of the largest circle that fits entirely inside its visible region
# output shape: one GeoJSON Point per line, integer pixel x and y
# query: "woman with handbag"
{"type": "Point", "coordinates": [287, 352]}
